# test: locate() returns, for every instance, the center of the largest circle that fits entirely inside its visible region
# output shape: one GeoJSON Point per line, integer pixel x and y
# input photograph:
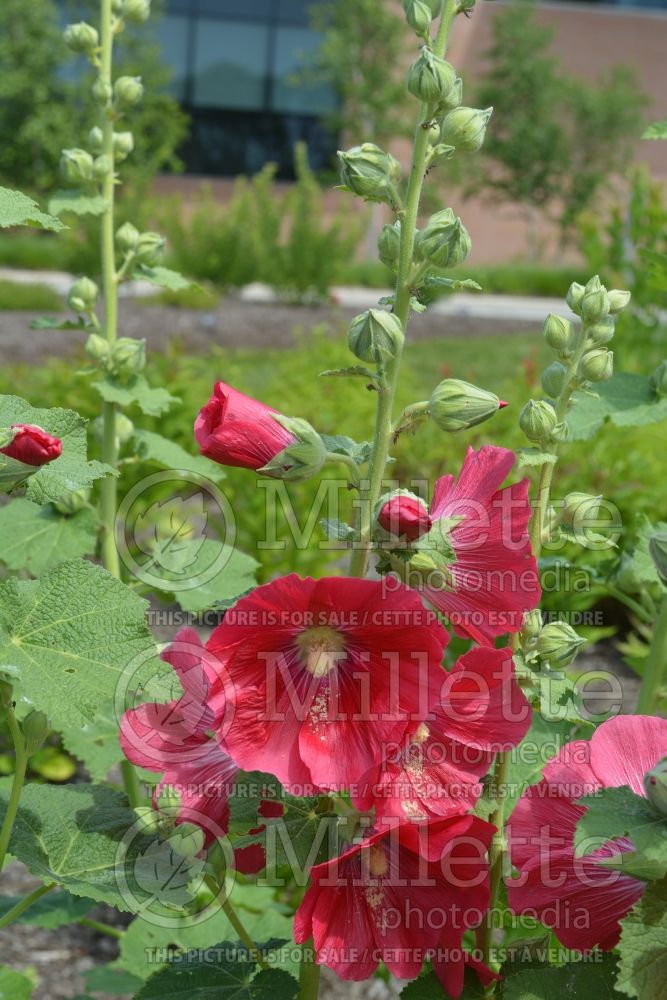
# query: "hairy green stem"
{"type": "Point", "coordinates": [132, 784]}
{"type": "Point", "coordinates": [101, 928]}
{"type": "Point", "coordinates": [10, 916]}
{"type": "Point", "coordinates": [309, 976]}
{"type": "Point", "coordinates": [656, 666]}
{"type": "Point", "coordinates": [243, 934]}
{"type": "Point", "coordinates": [21, 763]}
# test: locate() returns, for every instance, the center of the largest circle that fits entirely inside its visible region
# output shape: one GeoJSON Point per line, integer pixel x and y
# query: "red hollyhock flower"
{"type": "Point", "coordinates": [32, 445]}
{"type": "Point", "coordinates": [397, 896]}
{"type": "Point", "coordinates": [404, 516]}
{"type": "Point", "coordinates": [582, 900]}
{"type": "Point", "coordinates": [234, 429]}
{"type": "Point", "coordinates": [436, 770]}
{"type": "Point", "coordinates": [494, 578]}
{"type": "Point", "coordinates": [322, 673]}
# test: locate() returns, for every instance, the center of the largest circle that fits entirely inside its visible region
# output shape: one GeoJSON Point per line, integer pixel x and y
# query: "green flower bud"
{"type": "Point", "coordinates": [301, 460]}
{"type": "Point", "coordinates": [102, 91]}
{"type": "Point", "coordinates": [626, 577]}
{"type": "Point", "coordinates": [96, 140]}
{"type": "Point", "coordinates": [531, 627]}
{"type": "Point", "coordinates": [149, 248]}
{"type": "Point", "coordinates": [465, 128]}
{"type": "Point", "coordinates": [601, 333]}
{"type": "Point", "coordinates": [136, 10]}
{"type": "Point", "coordinates": [553, 379]}
{"type": "Point", "coordinates": [575, 294]}
{"type": "Point", "coordinates": [35, 729]}
{"type": "Point", "coordinates": [454, 96]}
{"type": "Point", "coordinates": [597, 365]}
{"type": "Point", "coordinates": [102, 167]}
{"type": "Point", "coordinates": [98, 349]}
{"type": "Point", "coordinates": [444, 242]}
{"type": "Point", "coordinates": [369, 172]}
{"type": "Point", "coordinates": [434, 7]}
{"type": "Point", "coordinates": [578, 509]}
{"type": "Point", "coordinates": [127, 237]}
{"type": "Point", "coordinates": [594, 304]}
{"type": "Point", "coordinates": [82, 296]}
{"type": "Point", "coordinates": [123, 144]}
{"type": "Point", "coordinates": [76, 166]}
{"type": "Point", "coordinates": [418, 16]}
{"type": "Point", "coordinates": [558, 644]}
{"type": "Point", "coordinates": [128, 356]}
{"type": "Point", "coordinates": [81, 37]}
{"type": "Point", "coordinates": [389, 245]}
{"type": "Point", "coordinates": [657, 547]}
{"type": "Point", "coordinates": [430, 78]}
{"type": "Point", "coordinates": [655, 785]}
{"type": "Point", "coordinates": [376, 336]}
{"type": "Point", "coordinates": [538, 420]}
{"type": "Point", "coordinates": [147, 819]}
{"type": "Point", "coordinates": [456, 405]}
{"type": "Point", "coordinates": [73, 502]}
{"type": "Point", "coordinates": [128, 91]}
{"type": "Point", "coordinates": [618, 300]}
{"type": "Point", "coordinates": [187, 840]}
{"type": "Point", "coordinates": [557, 332]}
{"type": "Point", "coordinates": [658, 380]}
{"type": "Point", "coordinates": [124, 428]}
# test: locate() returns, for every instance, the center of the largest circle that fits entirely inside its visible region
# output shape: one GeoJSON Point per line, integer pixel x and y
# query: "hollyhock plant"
{"type": "Point", "coordinates": [32, 445]}
{"type": "Point", "coordinates": [581, 899]}
{"type": "Point", "coordinates": [322, 673]}
{"type": "Point", "coordinates": [234, 429]}
{"type": "Point", "coordinates": [405, 516]}
{"type": "Point", "coordinates": [404, 891]}
{"type": "Point", "coordinates": [436, 770]}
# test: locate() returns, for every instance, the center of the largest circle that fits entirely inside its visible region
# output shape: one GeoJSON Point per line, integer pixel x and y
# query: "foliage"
{"type": "Point", "coordinates": [29, 296]}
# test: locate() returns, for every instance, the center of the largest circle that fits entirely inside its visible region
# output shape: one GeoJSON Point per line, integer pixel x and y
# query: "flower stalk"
{"type": "Point", "coordinates": [20, 766]}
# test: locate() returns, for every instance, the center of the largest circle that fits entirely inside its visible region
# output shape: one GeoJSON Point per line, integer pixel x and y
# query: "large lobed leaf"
{"type": "Point", "coordinates": [626, 400]}
{"type": "Point", "coordinates": [38, 538]}
{"type": "Point", "coordinates": [643, 946]}
{"type": "Point", "coordinates": [221, 976]}
{"type": "Point", "coordinates": [17, 209]}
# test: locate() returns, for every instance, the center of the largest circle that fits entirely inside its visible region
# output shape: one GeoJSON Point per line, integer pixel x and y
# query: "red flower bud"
{"type": "Point", "coordinates": [32, 445]}
{"type": "Point", "coordinates": [406, 517]}
{"type": "Point", "coordinates": [234, 429]}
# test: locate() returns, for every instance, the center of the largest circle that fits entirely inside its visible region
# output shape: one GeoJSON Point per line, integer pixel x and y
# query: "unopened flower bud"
{"type": "Point", "coordinates": [127, 237]}
{"type": "Point", "coordinates": [655, 786]}
{"type": "Point", "coordinates": [444, 242]}
{"type": "Point", "coordinates": [98, 349]}
{"type": "Point", "coordinates": [418, 16]}
{"type": "Point", "coordinates": [557, 332]}
{"type": "Point", "coordinates": [82, 296]}
{"type": "Point", "coordinates": [601, 333]}
{"type": "Point", "coordinates": [456, 405]}
{"type": "Point", "coordinates": [404, 515]}
{"type": "Point", "coordinates": [430, 78]}
{"type": "Point", "coordinates": [434, 6]}
{"type": "Point", "coordinates": [558, 644]}
{"type": "Point", "coordinates": [102, 91]}
{"type": "Point", "coordinates": [465, 128]}
{"type": "Point", "coordinates": [454, 96]}
{"type": "Point", "coordinates": [102, 167]}
{"type": "Point", "coordinates": [35, 729]}
{"type": "Point", "coordinates": [123, 144]}
{"type": "Point", "coordinates": [76, 166]}
{"type": "Point", "coordinates": [389, 245]}
{"type": "Point", "coordinates": [553, 379]}
{"type": "Point", "coordinates": [538, 420]}
{"type": "Point", "coordinates": [149, 248]}
{"type": "Point", "coordinates": [136, 10]}
{"type": "Point", "coordinates": [128, 356]}
{"type": "Point", "coordinates": [597, 365]}
{"type": "Point", "coordinates": [300, 460]}
{"type": "Point", "coordinates": [124, 428]}
{"type": "Point", "coordinates": [81, 37]}
{"type": "Point", "coordinates": [618, 300]}
{"type": "Point", "coordinates": [658, 380]}
{"type": "Point", "coordinates": [531, 626]}
{"type": "Point", "coordinates": [128, 91]}
{"type": "Point", "coordinates": [147, 820]}
{"type": "Point", "coordinates": [575, 294]}
{"type": "Point", "coordinates": [594, 304]}
{"type": "Point", "coordinates": [375, 335]}
{"type": "Point", "coordinates": [369, 172]}
{"type": "Point", "coordinates": [96, 139]}
{"type": "Point", "coordinates": [73, 502]}
{"type": "Point", "coordinates": [187, 840]}
{"type": "Point", "coordinates": [657, 547]}
{"type": "Point", "coordinates": [578, 509]}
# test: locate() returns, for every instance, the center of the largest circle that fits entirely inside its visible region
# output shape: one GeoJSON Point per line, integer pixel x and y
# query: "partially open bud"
{"type": "Point", "coordinates": [558, 644]}
{"type": "Point", "coordinates": [444, 242]}
{"type": "Point", "coordinates": [578, 510]}
{"type": "Point", "coordinates": [618, 300]}
{"type": "Point", "coordinates": [128, 356]}
{"type": "Point", "coordinates": [418, 16]}
{"type": "Point", "coordinates": [456, 405]}
{"type": "Point", "coordinates": [553, 379]}
{"type": "Point", "coordinates": [594, 304]}
{"type": "Point", "coordinates": [404, 515]}
{"type": "Point", "coordinates": [82, 296]}
{"type": "Point", "coordinates": [657, 547]}
{"type": "Point", "coordinates": [73, 502]}
{"type": "Point", "coordinates": [127, 237]}
{"type": "Point", "coordinates": [538, 420]}
{"type": "Point", "coordinates": [655, 786]}
{"type": "Point", "coordinates": [123, 144]}
{"type": "Point", "coordinates": [659, 379]}
{"type": "Point", "coordinates": [601, 333]}
{"type": "Point", "coordinates": [102, 91]}
{"type": "Point", "coordinates": [76, 166]}
{"type": "Point", "coordinates": [81, 37]}
{"type": "Point", "coordinates": [375, 335]}
{"type": "Point", "coordinates": [430, 78]}
{"type": "Point", "coordinates": [136, 10]}
{"type": "Point", "coordinates": [575, 294]}
{"type": "Point", "coordinates": [96, 139]}
{"type": "Point", "coordinates": [465, 128]}
{"type": "Point", "coordinates": [30, 445]}
{"type": "Point", "coordinates": [558, 333]}
{"type": "Point", "coordinates": [597, 365]}
{"type": "Point", "coordinates": [389, 245]}
{"type": "Point", "coordinates": [149, 248]}
{"type": "Point", "coordinates": [35, 729]}
{"type": "Point", "coordinates": [369, 172]}
{"type": "Point", "coordinates": [128, 91]}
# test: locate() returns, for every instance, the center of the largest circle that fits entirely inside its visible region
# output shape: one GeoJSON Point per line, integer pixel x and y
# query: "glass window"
{"type": "Point", "coordinates": [172, 34]}
{"type": "Point", "coordinates": [230, 64]}
{"type": "Point", "coordinates": [293, 47]}
{"type": "Point", "coordinates": [257, 10]}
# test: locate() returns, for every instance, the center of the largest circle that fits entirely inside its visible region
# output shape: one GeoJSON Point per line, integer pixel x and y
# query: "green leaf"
{"type": "Point", "coordinates": [17, 209]}
{"type": "Point", "coordinates": [533, 456]}
{"type": "Point", "coordinates": [77, 202]}
{"type": "Point", "coordinates": [618, 812]}
{"type": "Point", "coordinates": [72, 470]}
{"type": "Point", "coordinates": [626, 400]}
{"type": "Point", "coordinates": [592, 980]}
{"type": "Point", "coordinates": [151, 447]}
{"type": "Point", "coordinates": [656, 130]}
{"type": "Point", "coordinates": [14, 985]}
{"type": "Point", "coordinates": [428, 987]}
{"type": "Point", "coordinates": [164, 278]}
{"type": "Point", "coordinates": [95, 743]}
{"type": "Point", "coordinates": [204, 977]}
{"type": "Point", "coordinates": [215, 574]}
{"type": "Point", "coordinates": [643, 946]}
{"type": "Point", "coordinates": [38, 538]}
{"type": "Point", "coordinates": [57, 323]}
{"type": "Point", "coordinates": [71, 635]}
{"type": "Point", "coordinates": [641, 562]}
{"type": "Point", "coordinates": [55, 909]}
{"type": "Point", "coordinates": [152, 402]}
{"type": "Point", "coordinates": [542, 742]}
{"type": "Point", "coordinates": [340, 444]}
{"type": "Point", "coordinates": [336, 531]}
{"type": "Point", "coordinates": [105, 979]}
{"type": "Point", "coordinates": [164, 874]}
{"type": "Point", "coordinates": [359, 370]}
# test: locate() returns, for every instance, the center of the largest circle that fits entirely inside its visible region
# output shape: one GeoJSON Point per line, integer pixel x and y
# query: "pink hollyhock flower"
{"type": "Point", "coordinates": [32, 445]}
{"type": "Point", "coordinates": [398, 895]}
{"type": "Point", "coordinates": [405, 516]}
{"type": "Point", "coordinates": [493, 579]}
{"type": "Point", "coordinates": [582, 900]}
{"type": "Point", "coordinates": [322, 673]}
{"type": "Point", "coordinates": [436, 769]}
{"type": "Point", "coordinates": [234, 429]}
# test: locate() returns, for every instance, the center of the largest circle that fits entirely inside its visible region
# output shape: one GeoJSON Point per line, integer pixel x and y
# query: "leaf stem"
{"type": "Point", "coordinates": [10, 916]}
{"type": "Point", "coordinates": [654, 674]}
{"type": "Point", "coordinates": [309, 975]}
{"type": "Point", "coordinates": [17, 784]}
{"type": "Point", "coordinates": [97, 925]}
{"type": "Point", "coordinates": [132, 784]}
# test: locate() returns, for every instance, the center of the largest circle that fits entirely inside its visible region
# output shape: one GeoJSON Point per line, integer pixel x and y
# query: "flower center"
{"type": "Point", "coordinates": [377, 861]}
{"type": "Point", "coordinates": [421, 733]}
{"type": "Point", "coordinates": [320, 650]}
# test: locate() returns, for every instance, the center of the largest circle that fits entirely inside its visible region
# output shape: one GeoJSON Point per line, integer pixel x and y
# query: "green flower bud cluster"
{"type": "Point", "coordinates": [371, 173]}
{"type": "Point", "coordinates": [82, 296]}
{"type": "Point", "coordinates": [81, 38]}
{"type": "Point", "coordinates": [124, 429]}
{"type": "Point", "coordinates": [375, 336]}
{"type": "Point", "coordinates": [123, 359]}
{"type": "Point", "coordinates": [444, 242]}
{"type": "Point", "coordinates": [593, 302]}
{"type": "Point", "coordinates": [456, 405]}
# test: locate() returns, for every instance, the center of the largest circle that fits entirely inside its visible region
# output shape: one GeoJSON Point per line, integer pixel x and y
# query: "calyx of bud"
{"type": "Point", "coordinates": [82, 296]}
{"type": "Point", "coordinates": [301, 460]}
{"type": "Point", "coordinates": [597, 365]}
{"type": "Point", "coordinates": [127, 237]}
{"type": "Point", "coordinates": [558, 333]}
{"type": "Point", "coordinates": [655, 785]}
{"type": "Point", "coordinates": [538, 420]}
{"type": "Point", "coordinates": [81, 37]}
{"type": "Point", "coordinates": [371, 173]}
{"type": "Point", "coordinates": [578, 508]}
{"type": "Point", "coordinates": [418, 16]}
{"type": "Point", "coordinates": [149, 248]}
{"type": "Point", "coordinates": [456, 405]}
{"type": "Point", "coordinates": [76, 166]}
{"type": "Point", "coordinates": [430, 78]}
{"type": "Point", "coordinates": [444, 241]}
{"type": "Point", "coordinates": [594, 304]}
{"type": "Point", "coordinates": [553, 379]}
{"type": "Point", "coordinates": [376, 336]}
{"type": "Point", "coordinates": [128, 91]}
{"type": "Point", "coordinates": [35, 729]}
{"type": "Point", "coordinates": [558, 644]}
{"type": "Point", "coordinates": [123, 144]}
{"type": "Point", "coordinates": [465, 128]}
{"type": "Point", "coordinates": [136, 10]}
{"type": "Point", "coordinates": [389, 243]}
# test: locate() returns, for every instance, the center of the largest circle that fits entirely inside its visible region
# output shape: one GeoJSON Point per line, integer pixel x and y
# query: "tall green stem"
{"type": "Point", "coordinates": [656, 665]}
{"type": "Point", "coordinates": [21, 763]}
{"type": "Point", "coordinates": [10, 916]}
{"type": "Point", "coordinates": [309, 978]}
